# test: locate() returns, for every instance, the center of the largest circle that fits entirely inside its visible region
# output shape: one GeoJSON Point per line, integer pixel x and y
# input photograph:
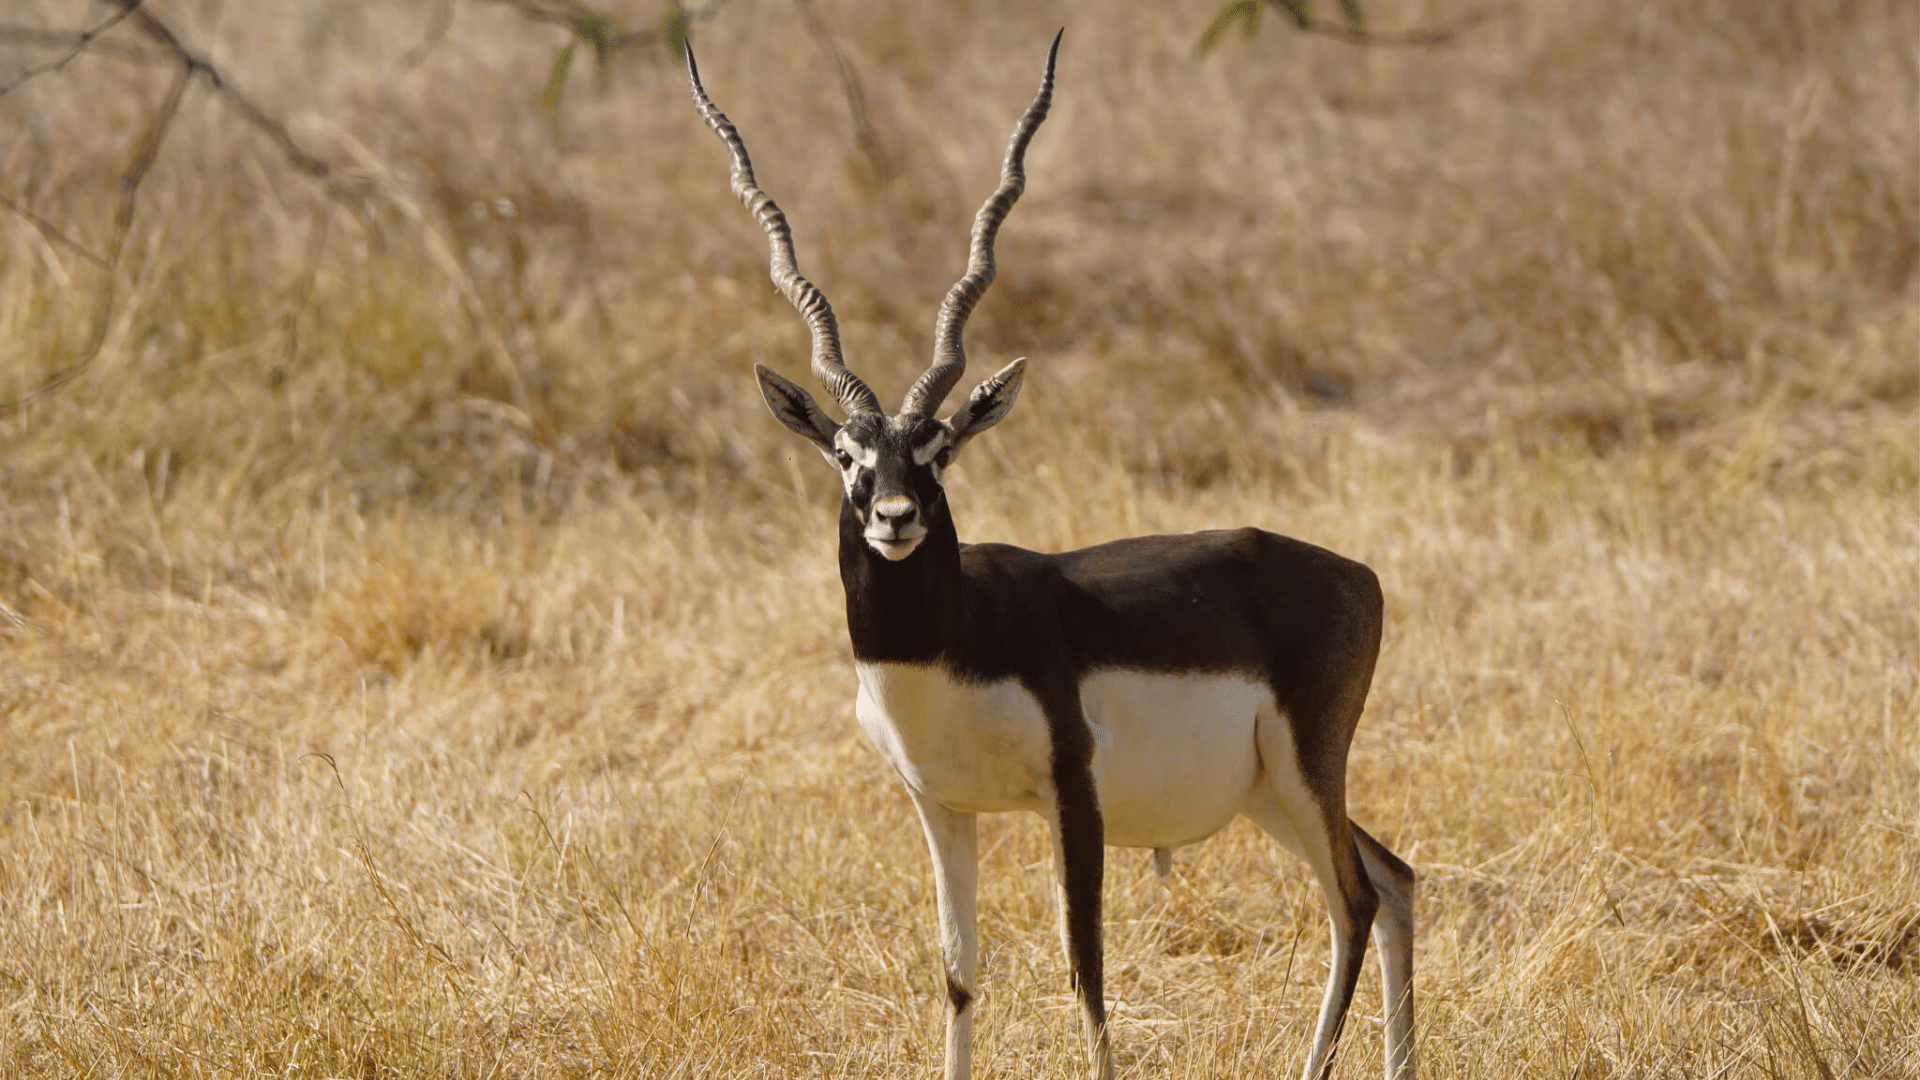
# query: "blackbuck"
{"type": "Point", "coordinates": [1140, 693]}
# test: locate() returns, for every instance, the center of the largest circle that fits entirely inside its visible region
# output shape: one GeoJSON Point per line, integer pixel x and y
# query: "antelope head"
{"type": "Point", "coordinates": [891, 466]}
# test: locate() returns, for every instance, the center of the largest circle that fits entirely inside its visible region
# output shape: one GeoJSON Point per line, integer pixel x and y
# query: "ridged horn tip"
{"type": "Point", "coordinates": [828, 365]}
{"type": "Point", "coordinates": [949, 351]}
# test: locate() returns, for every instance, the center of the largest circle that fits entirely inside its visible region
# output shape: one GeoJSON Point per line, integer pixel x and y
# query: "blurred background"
{"type": "Point", "coordinates": [420, 653]}
{"type": "Point", "coordinates": [513, 257]}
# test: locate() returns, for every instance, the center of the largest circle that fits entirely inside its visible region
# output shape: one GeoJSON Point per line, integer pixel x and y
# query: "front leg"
{"type": "Point", "coordinates": [954, 842]}
{"type": "Point", "coordinates": [1079, 858]}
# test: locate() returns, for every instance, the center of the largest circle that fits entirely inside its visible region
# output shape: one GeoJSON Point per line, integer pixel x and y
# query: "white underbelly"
{"type": "Point", "coordinates": [1178, 758]}
{"type": "Point", "coordinates": [1175, 757]}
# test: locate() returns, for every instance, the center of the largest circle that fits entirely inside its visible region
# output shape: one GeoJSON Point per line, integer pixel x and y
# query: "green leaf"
{"type": "Point", "coordinates": [1356, 19]}
{"type": "Point", "coordinates": [600, 31]}
{"type": "Point", "coordinates": [1302, 12]}
{"type": "Point", "coordinates": [557, 80]}
{"type": "Point", "coordinates": [672, 30]}
{"type": "Point", "coordinates": [1244, 12]}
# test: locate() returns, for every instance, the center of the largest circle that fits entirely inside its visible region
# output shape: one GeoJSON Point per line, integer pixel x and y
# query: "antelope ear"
{"type": "Point", "coordinates": [989, 403]}
{"type": "Point", "coordinates": [796, 408]}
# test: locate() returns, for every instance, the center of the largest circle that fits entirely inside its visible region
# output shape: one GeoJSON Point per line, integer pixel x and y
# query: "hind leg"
{"type": "Point", "coordinates": [1393, 881]}
{"type": "Point", "coordinates": [1312, 823]}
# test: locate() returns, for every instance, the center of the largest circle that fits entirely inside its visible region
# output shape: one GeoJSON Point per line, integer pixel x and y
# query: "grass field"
{"type": "Point", "coordinates": [421, 655]}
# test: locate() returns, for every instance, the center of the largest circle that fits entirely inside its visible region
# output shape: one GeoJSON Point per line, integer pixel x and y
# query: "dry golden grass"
{"type": "Point", "coordinates": [440, 671]}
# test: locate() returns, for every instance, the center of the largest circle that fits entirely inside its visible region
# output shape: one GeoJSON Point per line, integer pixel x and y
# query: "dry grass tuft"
{"type": "Point", "coordinates": [426, 659]}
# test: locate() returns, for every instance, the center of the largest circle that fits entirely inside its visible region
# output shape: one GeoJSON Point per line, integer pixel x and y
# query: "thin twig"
{"type": "Point", "coordinates": [52, 232]}
{"type": "Point", "coordinates": [39, 37]}
{"type": "Point", "coordinates": [441, 251]}
{"type": "Point", "coordinates": [865, 135]}
{"type": "Point", "coordinates": [437, 28]}
{"type": "Point", "coordinates": [79, 46]}
{"type": "Point", "coordinates": [130, 182]}
{"type": "Point", "coordinates": [309, 270]}
{"type": "Point", "coordinates": [173, 51]}
{"type": "Point", "coordinates": [560, 13]}
{"type": "Point", "coordinates": [191, 66]}
{"type": "Point", "coordinates": [220, 85]}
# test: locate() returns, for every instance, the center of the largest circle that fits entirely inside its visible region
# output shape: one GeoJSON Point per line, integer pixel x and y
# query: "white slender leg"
{"type": "Point", "coordinates": [1290, 817]}
{"type": "Point", "coordinates": [1349, 912]}
{"type": "Point", "coordinates": [954, 842]}
{"type": "Point", "coordinates": [1393, 933]}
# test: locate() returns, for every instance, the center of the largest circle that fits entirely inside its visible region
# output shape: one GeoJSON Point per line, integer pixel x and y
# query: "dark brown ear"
{"type": "Point", "coordinates": [989, 403]}
{"type": "Point", "coordinates": [795, 408]}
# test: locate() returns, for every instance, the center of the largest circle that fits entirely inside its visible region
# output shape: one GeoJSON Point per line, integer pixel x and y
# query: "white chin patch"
{"type": "Point", "coordinates": [894, 550]}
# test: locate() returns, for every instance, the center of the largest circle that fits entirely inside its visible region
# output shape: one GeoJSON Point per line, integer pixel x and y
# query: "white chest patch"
{"type": "Point", "coordinates": [972, 746]}
{"type": "Point", "coordinates": [1176, 755]}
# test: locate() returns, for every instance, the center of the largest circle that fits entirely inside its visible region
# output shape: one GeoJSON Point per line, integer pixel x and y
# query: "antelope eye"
{"type": "Point", "coordinates": [843, 458]}
{"type": "Point", "coordinates": [944, 457]}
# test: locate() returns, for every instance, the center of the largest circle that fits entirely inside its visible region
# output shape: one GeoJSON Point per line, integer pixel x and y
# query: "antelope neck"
{"type": "Point", "coordinates": [908, 611]}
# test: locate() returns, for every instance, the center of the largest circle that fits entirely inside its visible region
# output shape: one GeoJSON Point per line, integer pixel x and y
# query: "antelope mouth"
{"type": "Point", "coordinates": [895, 548]}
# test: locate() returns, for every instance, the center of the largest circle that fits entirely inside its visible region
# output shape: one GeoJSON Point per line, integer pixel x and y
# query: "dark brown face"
{"type": "Point", "coordinates": [891, 468]}
{"type": "Point", "coordinates": [891, 465]}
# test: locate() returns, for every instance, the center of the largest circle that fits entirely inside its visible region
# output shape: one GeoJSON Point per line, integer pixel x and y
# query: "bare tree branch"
{"type": "Point", "coordinates": [218, 83]}
{"type": "Point", "coordinates": [338, 184]}
{"type": "Point", "coordinates": [130, 181]}
{"type": "Point", "coordinates": [52, 232]}
{"type": "Point", "coordinates": [191, 65]}
{"type": "Point", "coordinates": [35, 37]}
{"type": "Point", "coordinates": [80, 44]}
